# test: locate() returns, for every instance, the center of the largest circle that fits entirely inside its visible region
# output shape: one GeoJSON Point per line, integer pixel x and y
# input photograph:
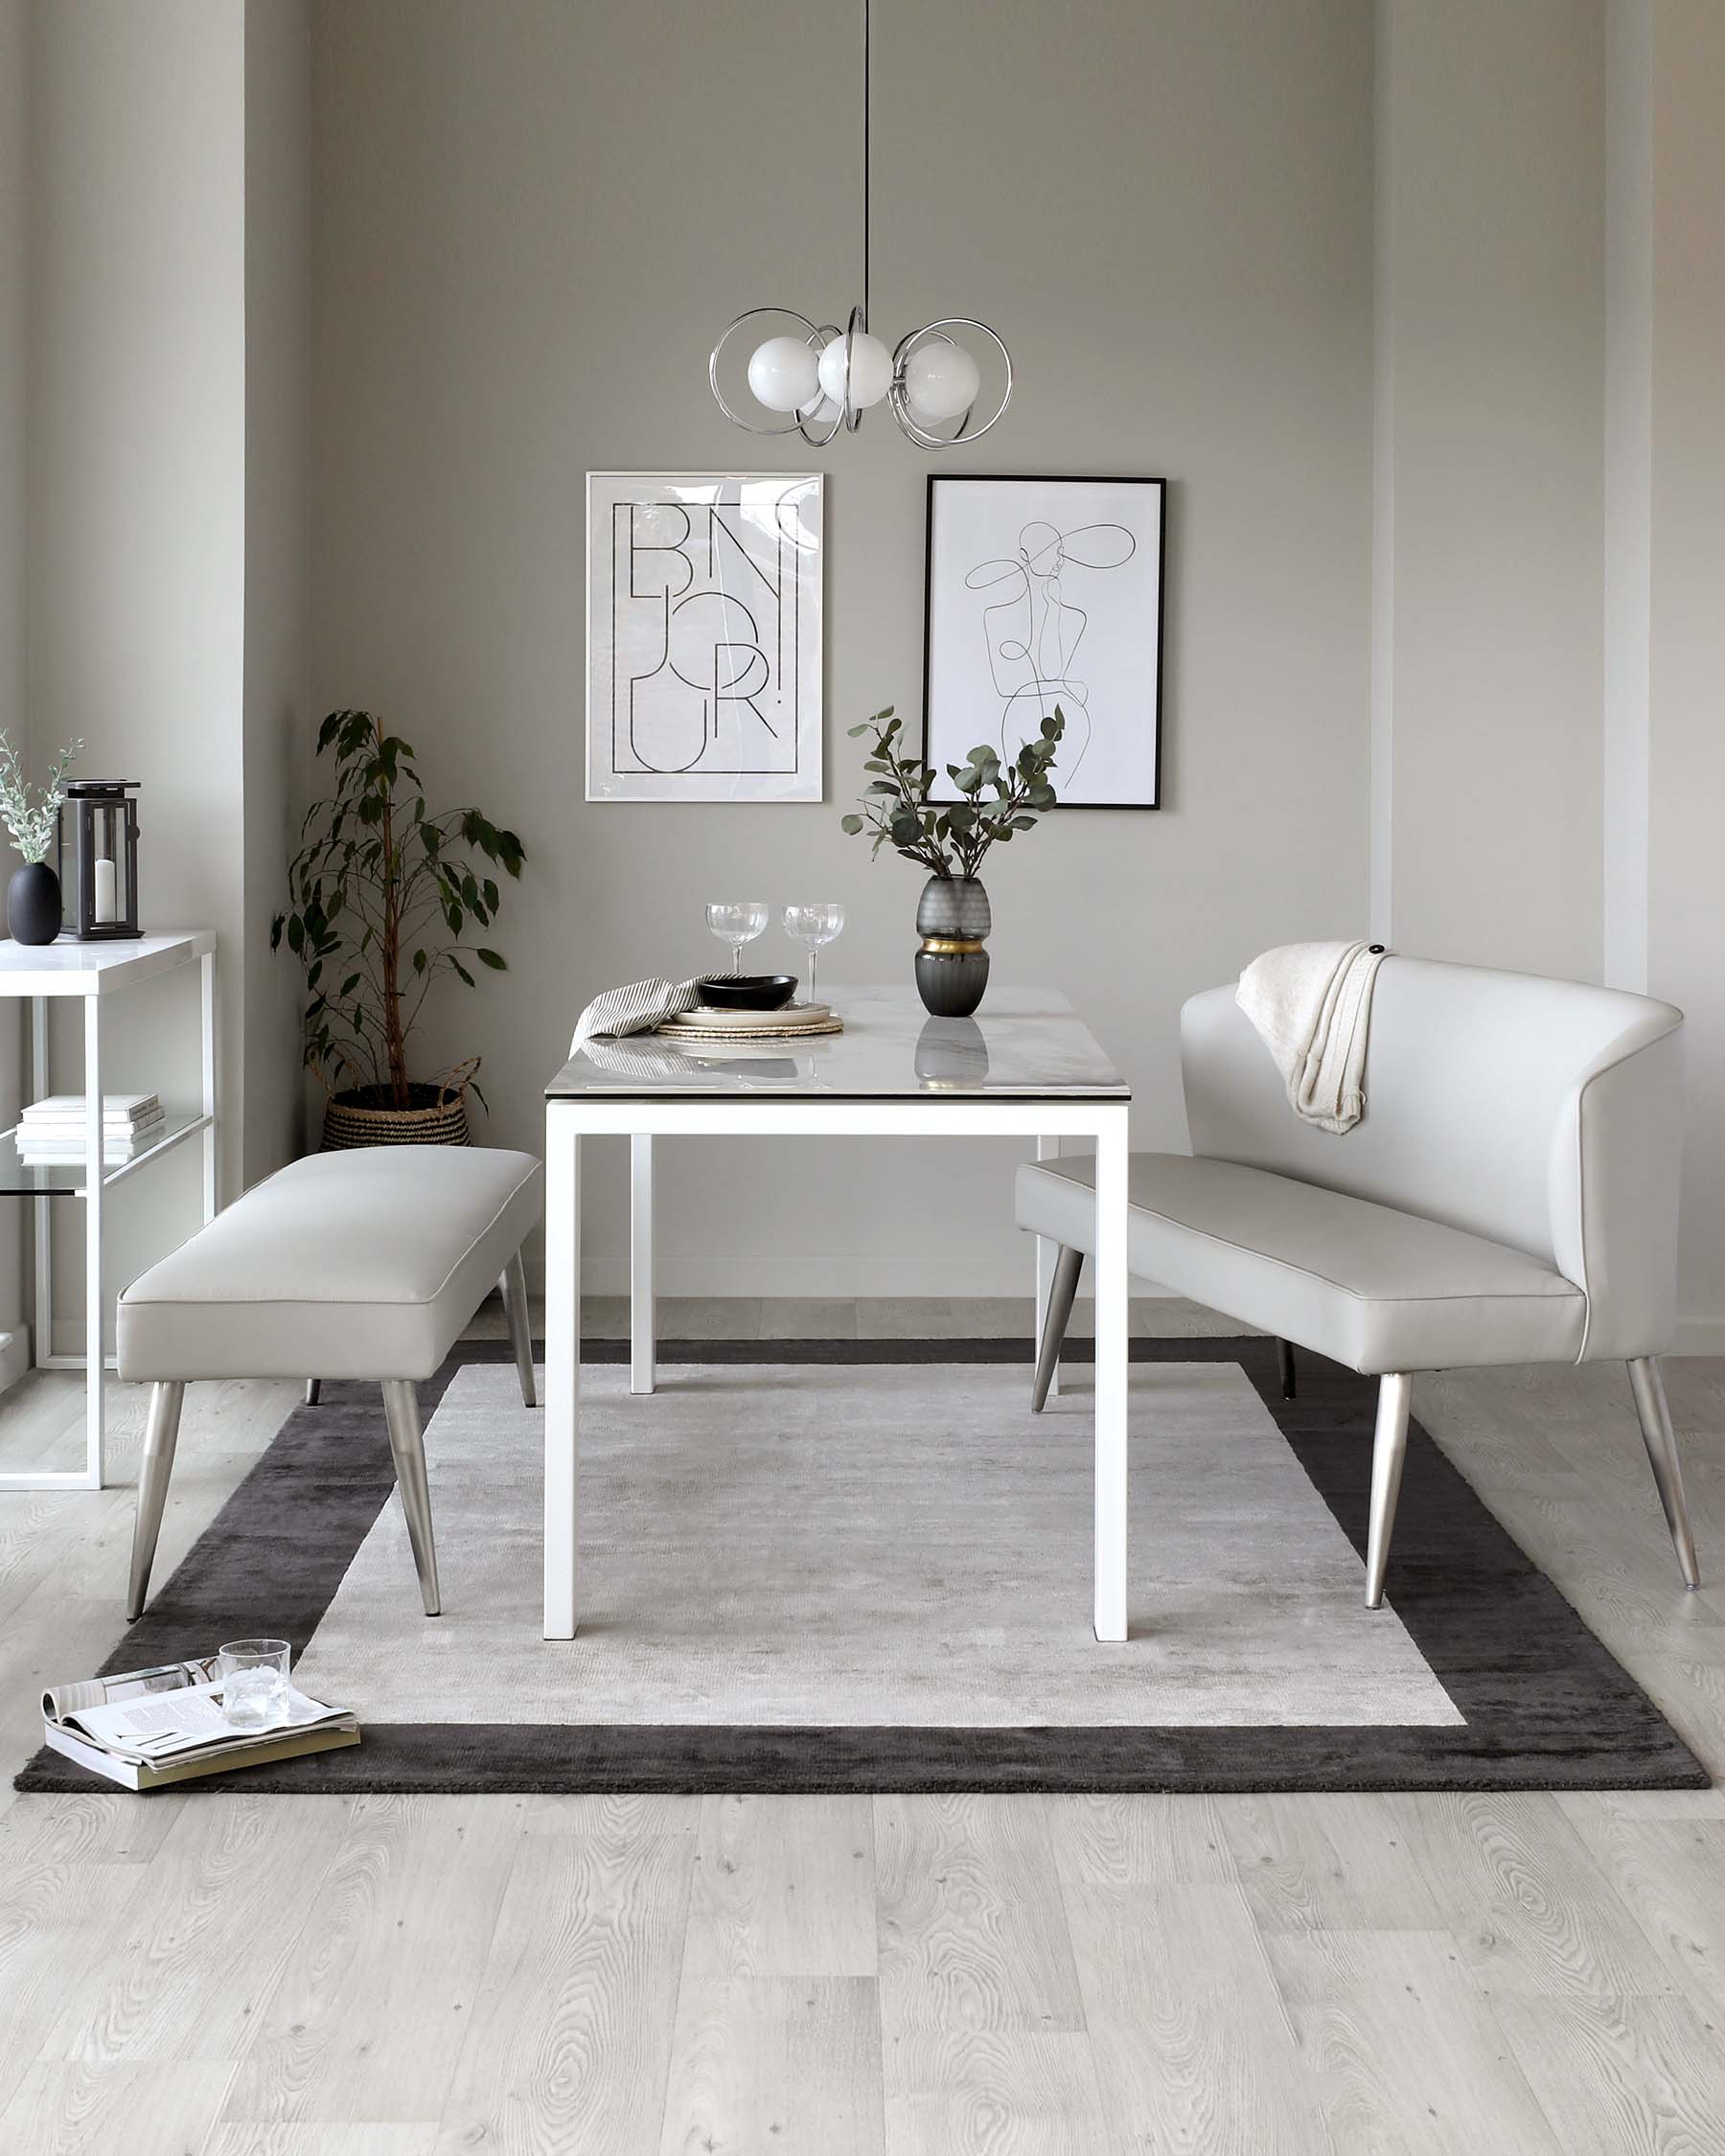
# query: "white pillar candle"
{"type": "Point", "coordinates": [105, 891]}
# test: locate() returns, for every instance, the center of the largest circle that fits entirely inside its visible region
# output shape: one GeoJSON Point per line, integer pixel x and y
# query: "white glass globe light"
{"type": "Point", "coordinates": [782, 374]}
{"type": "Point", "coordinates": [868, 363]}
{"type": "Point", "coordinates": [942, 380]}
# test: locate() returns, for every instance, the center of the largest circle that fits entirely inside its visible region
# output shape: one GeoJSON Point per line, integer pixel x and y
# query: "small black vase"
{"type": "Point", "coordinates": [33, 903]}
{"type": "Point", "coordinates": [952, 967]}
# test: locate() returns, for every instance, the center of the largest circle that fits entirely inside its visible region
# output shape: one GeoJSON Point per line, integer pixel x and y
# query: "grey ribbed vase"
{"type": "Point", "coordinates": [952, 968]}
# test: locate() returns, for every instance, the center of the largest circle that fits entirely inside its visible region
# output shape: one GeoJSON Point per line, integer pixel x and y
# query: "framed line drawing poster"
{"type": "Point", "coordinates": [703, 636]}
{"type": "Point", "coordinates": [1045, 592]}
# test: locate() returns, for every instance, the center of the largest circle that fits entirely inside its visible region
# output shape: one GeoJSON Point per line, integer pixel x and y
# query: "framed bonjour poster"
{"type": "Point", "coordinates": [703, 636]}
{"type": "Point", "coordinates": [1045, 592]}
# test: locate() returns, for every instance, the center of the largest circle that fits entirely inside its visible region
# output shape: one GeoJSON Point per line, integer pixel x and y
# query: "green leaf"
{"type": "Point", "coordinates": [462, 971]}
{"type": "Point", "coordinates": [491, 958]}
{"type": "Point", "coordinates": [853, 824]}
{"type": "Point", "coordinates": [854, 731]}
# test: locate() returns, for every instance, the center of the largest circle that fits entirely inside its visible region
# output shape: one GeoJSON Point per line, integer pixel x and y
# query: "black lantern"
{"type": "Point", "coordinates": [103, 895]}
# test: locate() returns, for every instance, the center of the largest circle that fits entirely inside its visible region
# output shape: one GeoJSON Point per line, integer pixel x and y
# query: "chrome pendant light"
{"type": "Point", "coordinates": [814, 380]}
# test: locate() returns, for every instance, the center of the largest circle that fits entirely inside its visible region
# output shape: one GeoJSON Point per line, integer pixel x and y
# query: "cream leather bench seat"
{"type": "Point", "coordinates": [364, 1263]}
{"type": "Point", "coordinates": [1509, 1195]}
{"type": "Point", "coordinates": [1366, 1285]}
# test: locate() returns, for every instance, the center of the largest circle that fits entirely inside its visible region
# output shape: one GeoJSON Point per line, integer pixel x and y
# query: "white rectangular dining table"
{"type": "Point", "coordinates": [1024, 1067]}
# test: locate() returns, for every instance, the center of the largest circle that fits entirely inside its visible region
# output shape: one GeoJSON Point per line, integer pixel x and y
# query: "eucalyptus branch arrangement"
{"type": "Point", "coordinates": [998, 798]}
{"type": "Point", "coordinates": [32, 822]}
{"type": "Point", "coordinates": [382, 895]}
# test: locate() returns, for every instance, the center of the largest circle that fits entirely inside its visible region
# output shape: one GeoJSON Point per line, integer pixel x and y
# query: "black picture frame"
{"type": "Point", "coordinates": [941, 793]}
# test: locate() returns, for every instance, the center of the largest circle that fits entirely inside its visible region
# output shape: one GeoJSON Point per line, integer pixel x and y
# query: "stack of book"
{"type": "Point", "coordinates": [53, 1132]}
{"type": "Point", "coordinates": [147, 1728]}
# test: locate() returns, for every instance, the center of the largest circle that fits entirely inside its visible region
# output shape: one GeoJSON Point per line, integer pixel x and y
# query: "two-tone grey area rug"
{"type": "Point", "coordinates": [867, 1565]}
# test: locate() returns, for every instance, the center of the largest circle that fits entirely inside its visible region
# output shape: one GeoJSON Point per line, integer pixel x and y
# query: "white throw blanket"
{"type": "Point", "coordinates": [1311, 1002]}
{"type": "Point", "coordinates": [638, 1008]}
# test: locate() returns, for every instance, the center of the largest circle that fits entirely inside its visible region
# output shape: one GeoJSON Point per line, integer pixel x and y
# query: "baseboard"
{"type": "Point", "coordinates": [15, 1356]}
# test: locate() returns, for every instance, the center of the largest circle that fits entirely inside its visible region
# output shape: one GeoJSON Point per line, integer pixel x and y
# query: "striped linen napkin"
{"type": "Point", "coordinates": [637, 1008]}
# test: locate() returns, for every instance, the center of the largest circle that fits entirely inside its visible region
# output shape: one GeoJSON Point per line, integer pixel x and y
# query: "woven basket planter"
{"type": "Point", "coordinates": [363, 1116]}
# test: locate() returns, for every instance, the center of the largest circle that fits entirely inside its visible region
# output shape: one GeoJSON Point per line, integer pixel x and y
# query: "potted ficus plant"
{"type": "Point", "coordinates": [951, 841]}
{"type": "Point", "coordinates": [32, 897]}
{"type": "Point", "coordinates": [382, 897]}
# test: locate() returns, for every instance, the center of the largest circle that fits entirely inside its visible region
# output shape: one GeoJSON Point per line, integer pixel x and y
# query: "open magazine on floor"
{"type": "Point", "coordinates": [144, 1728]}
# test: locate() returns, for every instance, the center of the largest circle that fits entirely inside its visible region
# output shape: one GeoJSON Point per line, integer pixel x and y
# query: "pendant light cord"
{"type": "Point", "coordinates": [868, 79]}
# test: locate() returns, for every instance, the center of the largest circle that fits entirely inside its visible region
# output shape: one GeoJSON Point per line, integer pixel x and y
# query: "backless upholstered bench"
{"type": "Point", "coordinates": [365, 1264]}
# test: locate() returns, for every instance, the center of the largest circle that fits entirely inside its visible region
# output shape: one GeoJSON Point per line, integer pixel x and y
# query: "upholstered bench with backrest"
{"type": "Point", "coordinates": [1511, 1195]}
{"type": "Point", "coordinates": [365, 1264]}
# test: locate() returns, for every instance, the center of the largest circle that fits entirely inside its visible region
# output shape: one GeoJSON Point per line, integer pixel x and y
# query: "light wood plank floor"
{"type": "Point", "coordinates": [233, 1976]}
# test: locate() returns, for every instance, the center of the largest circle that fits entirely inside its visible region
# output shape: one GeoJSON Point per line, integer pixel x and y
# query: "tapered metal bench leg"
{"type": "Point", "coordinates": [313, 1391]}
{"type": "Point", "coordinates": [1388, 1450]}
{"type": "Point", "coordinates": [160, 1436]}
{"type": "Point", "coordinates": [514, 1285]}
{"type": "Point", "coordinates": [401, 1409]}
{"type": "Point", "coordinates": [1649, 1388]}
{"type": "Point", "coordinates": [1061, 1291]}
{"type": "Point", "coordinates": [1284, 1366]}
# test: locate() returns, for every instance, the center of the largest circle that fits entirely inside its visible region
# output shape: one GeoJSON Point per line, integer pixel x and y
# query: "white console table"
{"type": "Point", "coordinates": [93, 972]}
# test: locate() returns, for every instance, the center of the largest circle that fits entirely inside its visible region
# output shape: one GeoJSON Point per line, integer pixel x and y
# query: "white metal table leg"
{"type": "Point", "coordinates": [643, 1318]}
{"type": "Point", "coordinates": [44, 1206]}
{"type": "Point", "coordinates": [1048, 1251]}
{"type": "Point", "coordinates": [563, 1365]}
{"type": "Point", "coordinates": [211, 1155]}
{"type": "Point", "coordinates": [1111, 1292]}
{"type": "Point", "coordinates": [95, 1317]}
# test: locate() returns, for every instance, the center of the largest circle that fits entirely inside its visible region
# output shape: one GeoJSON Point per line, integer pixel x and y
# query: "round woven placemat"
{"type": "Point", "coordinates": [707, 1031]}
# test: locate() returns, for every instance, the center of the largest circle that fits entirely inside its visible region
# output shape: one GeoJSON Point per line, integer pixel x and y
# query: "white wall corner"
{"type": "Point", "coordinates": [1380, 730]}
{"type": "Point", "coordinates": [1629, 481]}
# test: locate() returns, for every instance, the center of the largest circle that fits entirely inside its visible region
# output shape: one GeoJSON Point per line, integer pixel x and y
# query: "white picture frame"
{"type": "Point", "coordinates": [1043, 592]}
{"type": "Point", "coordinates": [704, 656]}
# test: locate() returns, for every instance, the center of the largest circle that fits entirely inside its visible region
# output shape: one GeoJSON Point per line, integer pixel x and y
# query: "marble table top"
{"type": "Point", "coordinates": [1023, 1043]}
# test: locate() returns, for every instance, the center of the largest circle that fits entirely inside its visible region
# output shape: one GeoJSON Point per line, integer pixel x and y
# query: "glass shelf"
{"type": "Point", "coordinates": [67, 1178]}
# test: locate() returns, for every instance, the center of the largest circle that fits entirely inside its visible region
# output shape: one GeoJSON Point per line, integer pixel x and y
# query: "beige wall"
{"type": "Point", "coordinates": [278, 328]}
{"type": "Point", "coordinates": [136, 511]}
{"type": "Point", "coordinates": [14, 44]}
{"type": "Point", "coordinates": [165, 515]}
{"type": "Point", "coordinates": [1490, 433]}
{"type": "Point", "coordinates": [529, 224]}
{"type": "Point", "coordinates": [1686, 908]}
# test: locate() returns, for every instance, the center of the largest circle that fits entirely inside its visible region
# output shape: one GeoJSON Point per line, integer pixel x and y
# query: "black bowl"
{"type": "Point", "coordinates": [746, 992]}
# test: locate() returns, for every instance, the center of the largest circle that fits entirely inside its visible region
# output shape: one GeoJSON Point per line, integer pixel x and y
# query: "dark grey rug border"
{"type": "Point", "coordinates": [1545, 1705]}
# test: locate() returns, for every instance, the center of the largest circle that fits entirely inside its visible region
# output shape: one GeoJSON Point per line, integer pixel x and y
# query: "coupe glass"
{"type": "Point", "coordinates": [812, 926]}
{"type": "Point", "coordinates": [737, 922]}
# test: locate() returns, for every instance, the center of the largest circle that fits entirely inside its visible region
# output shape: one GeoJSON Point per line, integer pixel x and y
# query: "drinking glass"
{"type": "Point", "coordinates": [253, 1682]}
{"type": "Point", "coordinates": [737, 922]}
{"type": "Point", "coordinates": [812, 926]}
